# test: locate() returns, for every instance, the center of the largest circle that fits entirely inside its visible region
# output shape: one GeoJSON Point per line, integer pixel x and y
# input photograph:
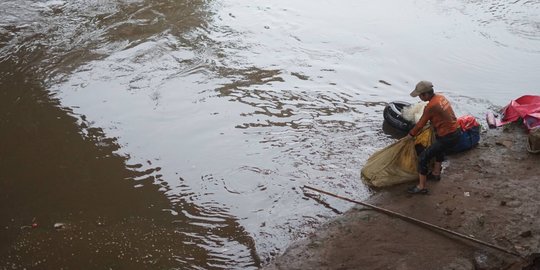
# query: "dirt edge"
{"type": "Point", "coordinates": [489, 192]}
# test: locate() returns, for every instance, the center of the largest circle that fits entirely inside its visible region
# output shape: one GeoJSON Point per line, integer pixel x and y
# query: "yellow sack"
{"type": "Point", "coordinates": [425, 138]}
{"type": "Point", "coordinates": [396, 163]}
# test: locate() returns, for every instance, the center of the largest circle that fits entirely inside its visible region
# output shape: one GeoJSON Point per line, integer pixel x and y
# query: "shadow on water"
{"type": "Point", "coordinates": [68, 200]}
{"type": "Point", "coordinates": [392, 131]}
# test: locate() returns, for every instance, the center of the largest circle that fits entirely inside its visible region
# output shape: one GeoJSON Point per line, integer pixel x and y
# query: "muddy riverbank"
{"type": "Point", "coordinates": [490, 192]}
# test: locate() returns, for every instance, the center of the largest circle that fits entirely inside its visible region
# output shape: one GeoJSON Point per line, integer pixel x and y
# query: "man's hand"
{"type": "Point", "coordinates": [409, 136]}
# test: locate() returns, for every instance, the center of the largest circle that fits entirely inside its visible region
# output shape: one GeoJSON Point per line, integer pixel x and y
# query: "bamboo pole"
{"type": "Point", "coordinates": [417, 221]}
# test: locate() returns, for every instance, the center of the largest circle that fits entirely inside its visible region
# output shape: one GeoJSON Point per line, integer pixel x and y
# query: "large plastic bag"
{"type": "Point", "coordinates": [396, 163]}
{"type": "Point", "coordinates": [526, 108]}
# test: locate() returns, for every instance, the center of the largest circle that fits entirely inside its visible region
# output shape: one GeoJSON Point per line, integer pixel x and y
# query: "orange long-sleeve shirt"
{"type": "Point", "coordinates": [441, 115]}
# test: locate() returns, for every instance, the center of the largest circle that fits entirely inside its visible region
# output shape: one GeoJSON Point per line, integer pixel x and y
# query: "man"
{"type": "Point", "coordinates": [441, 115]}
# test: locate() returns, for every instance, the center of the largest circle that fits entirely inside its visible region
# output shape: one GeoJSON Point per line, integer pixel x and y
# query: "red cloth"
{"type": "Point", "coordinates": [526, 107]}
{"type": "Point", "coordinates": [467, 122]}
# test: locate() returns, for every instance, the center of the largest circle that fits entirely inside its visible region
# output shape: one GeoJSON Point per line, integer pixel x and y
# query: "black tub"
{"type": "Point", "coordinates": [392, 116]}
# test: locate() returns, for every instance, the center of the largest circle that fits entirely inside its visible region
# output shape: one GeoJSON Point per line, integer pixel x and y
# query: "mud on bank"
{"type": "Point", "coordinates": [490, 192]}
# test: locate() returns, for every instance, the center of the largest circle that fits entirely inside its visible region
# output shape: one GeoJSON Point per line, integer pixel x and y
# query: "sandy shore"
{"type": "Point", "coordinates": [490, 193]}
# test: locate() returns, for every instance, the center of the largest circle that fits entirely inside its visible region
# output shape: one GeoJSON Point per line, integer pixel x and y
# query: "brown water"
{"type": "Point", "coordinates": [178, 134]}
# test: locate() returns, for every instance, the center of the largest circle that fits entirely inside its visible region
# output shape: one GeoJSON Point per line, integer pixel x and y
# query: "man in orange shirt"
{"type": "Point", "coordinates": [441, 115]}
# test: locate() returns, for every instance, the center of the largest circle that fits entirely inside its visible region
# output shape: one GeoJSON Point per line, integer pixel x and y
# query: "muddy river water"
{"type": "Point", "coordinates": [177, 134]}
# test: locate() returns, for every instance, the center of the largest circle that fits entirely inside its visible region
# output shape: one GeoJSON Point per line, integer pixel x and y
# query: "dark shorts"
{"type": "Point", "coordinates": [437, 150]}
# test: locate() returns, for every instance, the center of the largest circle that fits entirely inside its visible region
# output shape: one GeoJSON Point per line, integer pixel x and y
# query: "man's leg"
{"type": "Point", "coordinates": [422, 181]}
{"type": "Point", "coordinates": [437, 167]}
{"type": "Point", "coordinates": [432, 151]}
{"type": "Point", "coordinates": [445, 144]}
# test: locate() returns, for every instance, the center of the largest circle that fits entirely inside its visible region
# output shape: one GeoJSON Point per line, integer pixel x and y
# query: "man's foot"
{"type": "Point", "coordinates": [434, 177]}
{"type": "Point", "coordinates": [416, 190]}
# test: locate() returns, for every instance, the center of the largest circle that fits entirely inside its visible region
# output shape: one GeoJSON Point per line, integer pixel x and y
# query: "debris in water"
{"type": "Point", "coordinates": [384, 82]}
{"type": "Point", "coordinates": [59, 226]}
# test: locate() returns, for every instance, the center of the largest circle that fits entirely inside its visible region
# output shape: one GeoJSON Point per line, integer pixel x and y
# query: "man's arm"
{"type": "Point", "coordinates": [422, 122]}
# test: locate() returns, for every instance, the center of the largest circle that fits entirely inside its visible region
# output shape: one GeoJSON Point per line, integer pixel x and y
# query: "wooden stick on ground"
{"type": "Point", "coordinates": [417, 221]}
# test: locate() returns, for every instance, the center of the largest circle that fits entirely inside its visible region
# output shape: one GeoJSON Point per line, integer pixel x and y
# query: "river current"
{"type": "Point", "coordinates": [178, 134]}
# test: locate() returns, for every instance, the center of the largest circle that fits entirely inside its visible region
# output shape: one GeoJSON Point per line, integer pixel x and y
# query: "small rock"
{"type": "Point", "coordinates": [507, 144]}
{"type": "Point", "coordinates": [514, 203]}
{"type": "Point", "coordinates": [480, 221]}
{"type": "Point", "coordinates": [486, 261]}
{"type": "Point", "coordinates": [503, 203]}
{"type": "Point", "coordinates": [527, 233]}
